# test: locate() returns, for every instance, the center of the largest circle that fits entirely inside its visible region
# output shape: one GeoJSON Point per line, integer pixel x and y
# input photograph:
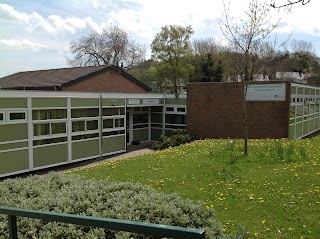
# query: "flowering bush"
{"type": "Point", "coordinates": [76, 195]}
{"type": "Point", "coordinates": [174, 138]}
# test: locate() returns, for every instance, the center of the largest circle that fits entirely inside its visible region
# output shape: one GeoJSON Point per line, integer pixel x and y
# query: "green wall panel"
{"type": "Point", "coordinates": [49, 102]}
{"type": "Point", "coordinates": [140, 134]}
{"type": "Point", "coordinates": [77, 102]}
{"type": "Point", "coordinates": [85, 149]}
{"type": "Point", "coordinates": [13, 103]}
{"type": "Point", "coordinates": [176, 101]}
{"type": "Point", "coordinates": [306, 127]}
{"type": "Point", "coordinates": [11, 132]}
{"type": "Point", "coordinates": [113, 144]}
{"type": "Point", "coordinates": [155, 134]}
{"type": "Point", "coordinates": [109, 102]}
{"type": "Point", "coordinates": [51, 154]}
{"type": "Point", "coordinates": [312, 128]}
{"type": "Point", "coordinates": [13, 145]}
{"type": "Point", "coordinates": [291, 132]}
{"type": "Point", "coordinates": [299, 130]}
{"type": "Point", "coordinates": [14, 161]}
{"type": "Point", "coordinates": [317, 123]}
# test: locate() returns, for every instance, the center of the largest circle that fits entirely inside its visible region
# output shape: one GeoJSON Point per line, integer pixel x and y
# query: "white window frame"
{"type": "Point", "coordinates": [85, 131]}
{"type": "Point", "coordinates": [50, 135]}
{"type": "Point", "coordinates": [4, 116]}
{"type": "Point", "coordinates": [8, 112]}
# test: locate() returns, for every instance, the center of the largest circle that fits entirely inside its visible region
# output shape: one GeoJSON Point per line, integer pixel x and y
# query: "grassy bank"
{"type": "Point", "coordinates": [273, 192]}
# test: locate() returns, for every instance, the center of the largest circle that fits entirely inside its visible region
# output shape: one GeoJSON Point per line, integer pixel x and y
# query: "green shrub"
{"type": "Point", "coordinates": [173, 138]}
{"type": "Point", "coordinates": [76, 195]}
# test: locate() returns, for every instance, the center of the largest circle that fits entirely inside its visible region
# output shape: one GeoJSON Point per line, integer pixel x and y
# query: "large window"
{"type": "Point", "coordinates": [85, 125]}
{"type": "Point", "coordinates": [50, 128]}
{"type": "Point", "coordinates": [140, 120]}
{"type": "Point", "coordinates": [113, 120]}
{"type": "Point", "coordinates": [175, 117]}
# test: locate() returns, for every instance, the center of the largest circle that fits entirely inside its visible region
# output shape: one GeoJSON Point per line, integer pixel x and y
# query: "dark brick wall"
{"type": "Point", "coordinates": [215, 111]}
{"type": "Point", "coordinates": [110, 81]}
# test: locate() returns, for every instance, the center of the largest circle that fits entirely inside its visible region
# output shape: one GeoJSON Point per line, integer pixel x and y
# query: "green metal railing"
{"type": "Point", "coordinates": [151, 229]}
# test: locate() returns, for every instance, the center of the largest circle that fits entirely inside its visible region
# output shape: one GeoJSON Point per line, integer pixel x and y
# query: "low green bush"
{"type": "Point", "coordinates": [173, 138]}
{"type": "Point", "coordinates": [77, 195]}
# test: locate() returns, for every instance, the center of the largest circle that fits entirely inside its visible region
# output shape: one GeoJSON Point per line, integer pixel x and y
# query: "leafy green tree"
{"type": "Point", "coordinates": [206, 60]}
{"type": "Point", "coordinates": [171, 49]}
{"type": "Point", "coordinates": [211, 71]}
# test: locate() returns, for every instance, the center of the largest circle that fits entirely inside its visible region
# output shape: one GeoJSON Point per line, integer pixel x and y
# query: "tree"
{"type": "Point", "coordinates": [303, 56]}
{"type": "Point", "coordinates": [247, 38]}
{"type": "Point", "coordinates": [171, 49]}
{"type": "Point", "coordinates": [208, 66]}
{"type": "Point", "coordinates": [112, 46]}
{"type": "Point", "coordinates": [289, 4]}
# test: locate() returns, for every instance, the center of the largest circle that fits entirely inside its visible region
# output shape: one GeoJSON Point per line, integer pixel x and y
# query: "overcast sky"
{"type": "Point", "coordinates": [35, 34]}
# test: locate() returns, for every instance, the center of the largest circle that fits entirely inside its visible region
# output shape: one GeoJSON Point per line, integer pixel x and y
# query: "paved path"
{"type": "Point", "coordinates": [120, 156]}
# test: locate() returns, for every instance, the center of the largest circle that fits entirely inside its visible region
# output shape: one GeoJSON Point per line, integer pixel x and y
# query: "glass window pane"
{"type": "Point", "coordinates": [49, 141]}
{"type": "Point", "coordinates": [156, 109]}
{"type": "Point", "coordinates": [41, 129]}
{"type": "Point", "coordinates": [169, 109]}
{"type": "Point", "coordinates": [85, 136]}
{"type": "Point", "coordinates": [92, 125]}
{"type": "Point", "coordinates": [140, 118]}
{"type": "Point", "coordinates": [1, 117]}
{"type": "Point", "coordinates": [139, 126]}
{"type": "Point", "coordinates": [78, 126]}
{"type": "Point", "coordinates": [58, 128]}
{"type": "Point", "coordinates": [156, 118]}
{"type": "Point", "coordinates": [180, 109]}
{"type": "Point", "coordinates": [113, 133]}
{"type": "Point", "coordinates": [82, 113]}
{"type": "Point", "coordinates": [49, 114]}
{"type": "Point", "coordinates": [17, 116]}
{"type": "Point", "coordinates": [110, 111]}
{"type": "Point", "coordinates": [108, 123]}
{"type": "Point", "coordinates": [176, 119]}
{"type": "Point", "coordinates": [119, 122]}
{"type": "Point", "coordinates": [122, 111]}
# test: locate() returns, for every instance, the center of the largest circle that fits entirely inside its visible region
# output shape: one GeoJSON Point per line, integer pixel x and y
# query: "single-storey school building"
{"type": "Point", "coordinates": [41, 129]}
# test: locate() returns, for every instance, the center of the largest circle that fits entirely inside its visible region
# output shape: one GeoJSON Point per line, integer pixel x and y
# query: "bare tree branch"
{"type": "Point", "coordinates": [112, 46]}
{"type": "Point", "coordinates": [289, 4]}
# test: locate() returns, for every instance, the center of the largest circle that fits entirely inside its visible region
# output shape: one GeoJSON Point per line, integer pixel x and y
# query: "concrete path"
{"type": "Point", "coordinates": [120, 156]}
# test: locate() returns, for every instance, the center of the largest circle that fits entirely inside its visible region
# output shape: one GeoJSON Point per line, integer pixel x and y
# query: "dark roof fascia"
{"type": "Point", "coordinates": [56, 87]}
{"type": "Point", "coordinates": [105, 69]}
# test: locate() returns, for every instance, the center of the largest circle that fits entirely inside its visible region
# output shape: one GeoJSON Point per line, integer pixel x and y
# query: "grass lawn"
{"type": "Point", "coordinates": [273, 192]}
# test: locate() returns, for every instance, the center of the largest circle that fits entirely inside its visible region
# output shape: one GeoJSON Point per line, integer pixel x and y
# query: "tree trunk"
{"type": "Point", "coordinates": [245, 118]}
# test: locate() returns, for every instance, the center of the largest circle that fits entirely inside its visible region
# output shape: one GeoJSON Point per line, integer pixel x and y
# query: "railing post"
{"type": "Point", "coordinates": [12, 223]}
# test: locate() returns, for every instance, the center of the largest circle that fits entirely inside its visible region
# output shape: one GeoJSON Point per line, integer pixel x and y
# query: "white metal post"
{"type": "Point", "coordinates": [30, 132]}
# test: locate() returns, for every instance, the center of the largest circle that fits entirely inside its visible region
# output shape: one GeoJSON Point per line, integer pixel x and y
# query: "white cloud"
{"type": "Point", "coordinates": [21, 44]}
{"type": "Point", "coordinates": [7, 13]}
{"type": "Point", "coordinates": [53, 24]}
